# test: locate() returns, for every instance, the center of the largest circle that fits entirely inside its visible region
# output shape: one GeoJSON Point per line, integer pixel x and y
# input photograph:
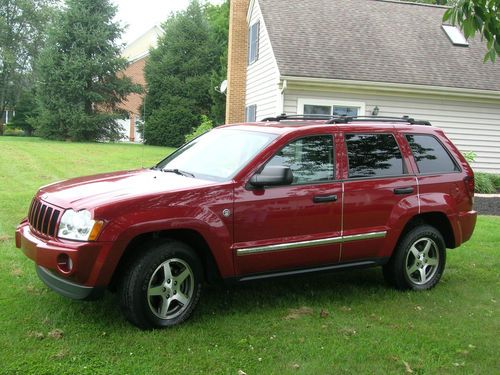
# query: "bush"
{"type": "Point", "coordinates": [13, 132]}
{"type": "Point", "coordinates": [470, 156]}
{"type": "Point", "coordinates": [168, 125]}
{"type": "Point", "coordinates": [205, 126]}
{"type": "Point", "coordinates": [496, 180]}
{"type": "Point", "coordinates": [485, 182]}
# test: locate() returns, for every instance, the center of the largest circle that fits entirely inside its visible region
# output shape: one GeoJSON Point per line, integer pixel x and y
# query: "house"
{"type": "Point", "coordinates": [8, 115]}
{"type": "Point", "coordinates": [363, 57]}
{"type": "Point", "coordinates": [136, 54]}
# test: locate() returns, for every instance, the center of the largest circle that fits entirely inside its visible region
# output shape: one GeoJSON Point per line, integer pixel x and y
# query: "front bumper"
{"type": "Point", "coordinates": [68, 288]}
{"type": "Point", "coordinates": [82, 280]}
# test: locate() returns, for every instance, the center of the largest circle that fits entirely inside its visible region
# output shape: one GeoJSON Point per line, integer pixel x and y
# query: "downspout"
{"type": "Point", "coordinates": [281, 99]}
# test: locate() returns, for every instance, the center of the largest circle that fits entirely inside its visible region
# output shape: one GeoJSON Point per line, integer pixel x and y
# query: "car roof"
{"type": "Point", "coordinates": [294, 125]}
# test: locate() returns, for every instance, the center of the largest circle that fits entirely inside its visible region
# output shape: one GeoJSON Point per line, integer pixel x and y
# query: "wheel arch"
{"type": "Point", "coordinates": [190, 237]}
{"type": "Point", "coordinates": [436, 219]}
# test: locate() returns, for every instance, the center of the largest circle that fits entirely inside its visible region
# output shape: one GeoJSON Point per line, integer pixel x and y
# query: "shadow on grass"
{"type": "Point", "coordinates": [221, 300]}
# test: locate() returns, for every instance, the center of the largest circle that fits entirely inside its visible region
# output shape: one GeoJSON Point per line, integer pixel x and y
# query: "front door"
{"type": "Point", "coordinates": [293, 226]}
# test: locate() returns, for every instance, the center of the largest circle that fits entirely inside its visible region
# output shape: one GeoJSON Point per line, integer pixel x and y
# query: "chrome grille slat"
{"type": "Point", "coordinates": [43, 218]}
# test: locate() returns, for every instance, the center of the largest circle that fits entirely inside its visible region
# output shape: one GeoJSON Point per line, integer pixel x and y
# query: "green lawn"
{"type": "Point", "coordinates": [349, 322]}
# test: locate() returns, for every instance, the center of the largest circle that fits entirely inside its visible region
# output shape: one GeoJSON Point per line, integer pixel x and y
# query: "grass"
{"type": "Point", "coordinates": [348, 322]}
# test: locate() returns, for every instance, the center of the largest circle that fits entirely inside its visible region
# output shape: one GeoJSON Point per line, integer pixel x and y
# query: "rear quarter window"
{"type": "Point", "coordinates": [430, 155]}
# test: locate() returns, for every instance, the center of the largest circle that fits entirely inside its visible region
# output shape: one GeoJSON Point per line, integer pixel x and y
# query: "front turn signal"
{"type": "Point", "coordinates": [96, 230]}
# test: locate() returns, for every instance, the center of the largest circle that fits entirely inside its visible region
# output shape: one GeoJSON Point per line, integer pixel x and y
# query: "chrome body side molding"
{"type": "Point", "coordinates": [310, 243]}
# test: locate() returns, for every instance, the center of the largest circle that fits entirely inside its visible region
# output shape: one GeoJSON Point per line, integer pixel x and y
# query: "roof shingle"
{"type": "Point", "coordinates": [373, 40]}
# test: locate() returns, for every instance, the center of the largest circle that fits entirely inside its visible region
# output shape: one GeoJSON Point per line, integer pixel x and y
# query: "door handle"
{"type": "Point", "coordinates": [406, 190]}
{"type": "Point", "coordinates": [324, 198]}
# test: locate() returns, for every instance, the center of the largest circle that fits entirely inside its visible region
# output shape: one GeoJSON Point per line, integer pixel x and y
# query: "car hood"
{"type": "Point", "coordinates": [92, 191]}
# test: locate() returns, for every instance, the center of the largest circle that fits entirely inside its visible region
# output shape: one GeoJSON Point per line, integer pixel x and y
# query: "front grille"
{"type": "Point", "coordinates": [43, 218]}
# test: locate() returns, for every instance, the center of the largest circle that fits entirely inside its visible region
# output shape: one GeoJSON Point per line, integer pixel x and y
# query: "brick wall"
{"type": "Point", "coordinates": [136, 73]}
{"type": "Point", "coordinates": [237, 61]}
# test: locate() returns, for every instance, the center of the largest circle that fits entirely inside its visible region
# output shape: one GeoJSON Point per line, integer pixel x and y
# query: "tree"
{"type": "Point", "coordinates": [80, 87]}
{"type": "Point", "coordinates": [178, 76]}
{"type": "Point", "coordinates": [22, 32]}
{"type": "Point", "coordinates": [218, 19]}
{"type": "Point", "coordinates": [481, 16]}
{"type": "Point", "coordinates": [25, 112]}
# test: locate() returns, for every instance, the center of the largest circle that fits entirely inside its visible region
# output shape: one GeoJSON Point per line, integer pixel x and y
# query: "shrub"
{"type": "Point", "coordinates": [495, 178]}
{"type": "Point", "coordinates": [168, 125]}
{"type": "Point", "coordinates": [13, 132]}
{"type": "Point", "coordinates": [484, 183]}
{"type": "Point", "coordinates": [470, 156]}
{"type": "Point", "coordinates": [205, 126]}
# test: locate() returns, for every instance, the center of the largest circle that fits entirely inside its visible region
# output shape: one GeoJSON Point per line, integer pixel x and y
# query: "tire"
{"type": "Point", "coordinates": [418, 261]}
{"type": "Point", "coordinates": [161, 287]}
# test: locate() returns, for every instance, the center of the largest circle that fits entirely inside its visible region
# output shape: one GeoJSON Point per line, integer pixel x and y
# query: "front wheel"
{"type": "Point", "coordinates": [418, 261]}
{"type": "Point", "coordinates": [162, 287]}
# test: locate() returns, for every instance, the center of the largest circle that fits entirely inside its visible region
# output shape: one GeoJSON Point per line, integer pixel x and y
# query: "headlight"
{"type": "Point", "coordinates": [79, 226]}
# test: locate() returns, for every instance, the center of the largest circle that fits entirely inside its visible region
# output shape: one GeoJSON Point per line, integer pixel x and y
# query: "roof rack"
{"type": "Point", "coordinates": [347, 119]}
{"type": "Point", "coordinates": [284, 116]}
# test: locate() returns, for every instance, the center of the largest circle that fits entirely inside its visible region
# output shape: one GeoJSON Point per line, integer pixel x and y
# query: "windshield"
{"type": "Point", "coordinates": [217, 155]}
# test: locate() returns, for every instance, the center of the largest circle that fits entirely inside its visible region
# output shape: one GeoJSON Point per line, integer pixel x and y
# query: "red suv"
{"type": "Point", "coordinates": [291, 195]}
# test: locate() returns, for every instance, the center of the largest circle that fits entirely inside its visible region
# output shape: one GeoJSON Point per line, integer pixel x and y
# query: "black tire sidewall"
{"type": "Point", "coordinates": [402, 280]}
{"type": "Point", "coordinates": [137, 280]}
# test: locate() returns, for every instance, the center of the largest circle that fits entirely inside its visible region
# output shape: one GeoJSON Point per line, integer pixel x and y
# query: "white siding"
{"type": "Point", "coordinates": [472, 124]}
{"type": "Point", "coordinates": [263, 75]}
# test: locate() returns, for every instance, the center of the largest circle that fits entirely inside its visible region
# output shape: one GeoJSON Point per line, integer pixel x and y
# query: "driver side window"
{"type": "Point", "coordinates": [309, 158]}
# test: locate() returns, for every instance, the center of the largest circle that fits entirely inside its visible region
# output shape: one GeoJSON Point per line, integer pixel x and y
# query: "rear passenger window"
{"type": "Point", "coordinates": [430, 155]}
{"type": "Point", "coordinates": [373, 155]}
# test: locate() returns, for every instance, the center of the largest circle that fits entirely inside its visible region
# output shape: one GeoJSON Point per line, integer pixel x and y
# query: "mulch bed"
{"type": "Point", "coordinates": [487, 205]}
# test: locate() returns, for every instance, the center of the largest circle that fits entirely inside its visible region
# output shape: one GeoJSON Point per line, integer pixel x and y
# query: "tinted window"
{"type": "Point", "coordinates": [310, 159]}
{"type": "Point", "coordinates": [430, 155]}
{"type": "Point", "coordinates": [373, 155]}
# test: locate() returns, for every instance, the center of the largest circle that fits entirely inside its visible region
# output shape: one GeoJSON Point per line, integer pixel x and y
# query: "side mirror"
{"type": "Point", "coordinates": [272, 176]}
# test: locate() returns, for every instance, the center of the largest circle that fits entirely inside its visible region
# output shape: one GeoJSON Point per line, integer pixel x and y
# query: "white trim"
{"type": "Point", "coordinates": [393, 87]}
{"type": "Point", "coordinates": [280, 98]}
{"type": "Point", "coordinates": [330, 102]}
{"type": "Point", "coordinates": [250, 10]}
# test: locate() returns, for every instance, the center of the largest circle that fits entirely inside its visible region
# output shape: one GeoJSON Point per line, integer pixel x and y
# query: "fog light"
{"type": "Point", "coordinates": [64, 263]}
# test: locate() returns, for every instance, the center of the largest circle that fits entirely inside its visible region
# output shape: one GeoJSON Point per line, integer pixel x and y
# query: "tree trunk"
{"type": "Point", "coordinates": [1, 124]}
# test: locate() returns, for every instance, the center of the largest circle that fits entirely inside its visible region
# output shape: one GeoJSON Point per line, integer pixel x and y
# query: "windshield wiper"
{"type": "Point", "coordinates": [179, 172]}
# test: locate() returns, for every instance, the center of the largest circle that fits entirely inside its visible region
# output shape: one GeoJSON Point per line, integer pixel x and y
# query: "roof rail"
{"type": "Point", "coordinates": [346, 119]}
{"type": "Point", "coordinates": [284, 116]}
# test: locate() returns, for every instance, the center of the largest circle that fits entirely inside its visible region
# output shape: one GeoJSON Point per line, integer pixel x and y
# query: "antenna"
{"type": "Point", "coordinates": [222, 88]}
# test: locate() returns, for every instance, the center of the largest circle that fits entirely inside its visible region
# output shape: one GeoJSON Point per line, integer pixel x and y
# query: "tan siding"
{"type": "Point", "coordinates": [473, 125]}
{"type": "Point", "coordinates": [263, 75]}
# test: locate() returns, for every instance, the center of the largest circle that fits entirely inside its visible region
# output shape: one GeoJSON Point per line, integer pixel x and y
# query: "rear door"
{"type": "Point", "coordinates": [378, 191]}
{"type": "Point", "coordinates": [293, 226]}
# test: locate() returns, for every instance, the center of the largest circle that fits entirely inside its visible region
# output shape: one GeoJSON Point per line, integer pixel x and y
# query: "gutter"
{"type": "Point", "coordinates": [392, 87]}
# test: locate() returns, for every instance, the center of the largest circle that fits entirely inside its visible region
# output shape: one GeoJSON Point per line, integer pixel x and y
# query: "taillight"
{"type": "Point", "coordinates": [469, 184]}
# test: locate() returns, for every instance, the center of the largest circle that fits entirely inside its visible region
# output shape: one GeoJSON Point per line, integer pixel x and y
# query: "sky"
{"type": "Point", "coordinates": [141, 15]}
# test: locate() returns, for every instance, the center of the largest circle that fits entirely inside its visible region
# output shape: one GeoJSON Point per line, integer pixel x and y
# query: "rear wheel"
{"type": "Point", "coordinates": [162, 287]}
{"type": "Point", "coordinates": [418, 261]}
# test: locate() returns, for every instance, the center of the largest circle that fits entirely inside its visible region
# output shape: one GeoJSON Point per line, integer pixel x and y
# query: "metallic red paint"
{"type": "Point", "coordinates": [144, 201]}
